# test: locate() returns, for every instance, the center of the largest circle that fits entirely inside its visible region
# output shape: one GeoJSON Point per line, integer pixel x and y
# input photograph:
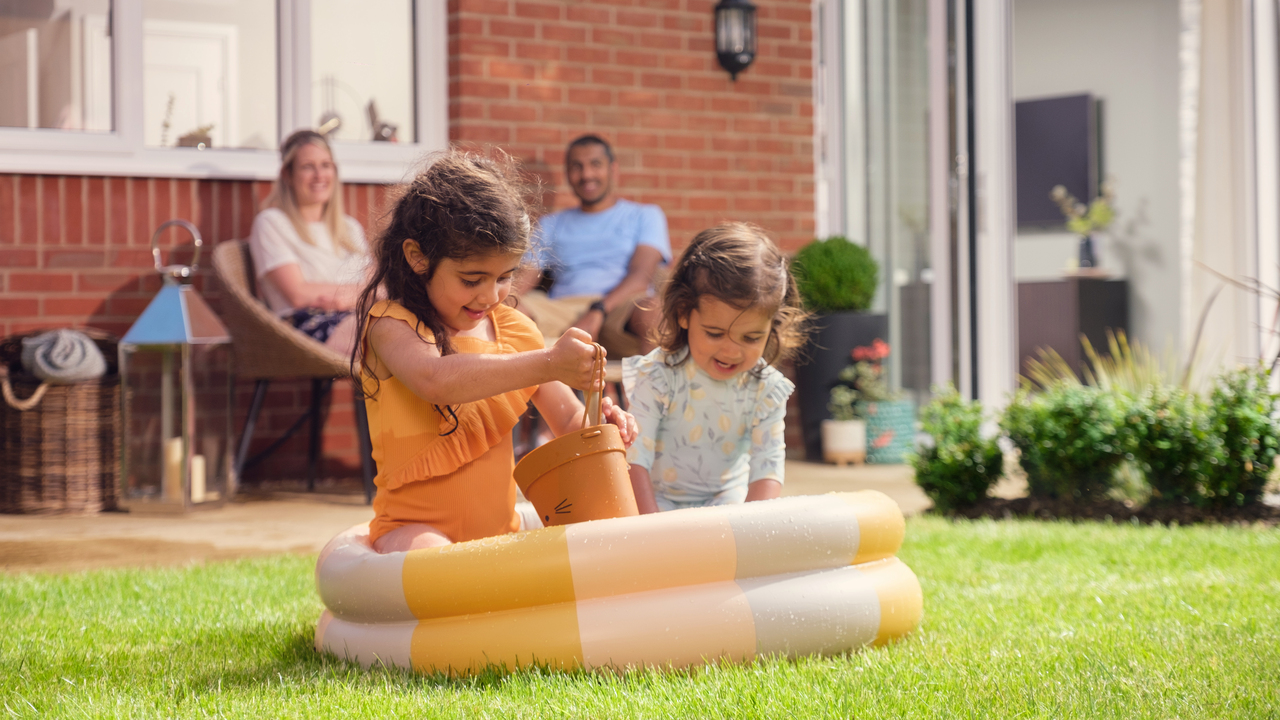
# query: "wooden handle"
{"type": "Point", "coordinates": [591, 411]}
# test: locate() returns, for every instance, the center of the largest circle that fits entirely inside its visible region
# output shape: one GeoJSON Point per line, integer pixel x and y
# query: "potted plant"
{"type": "Point", "coordinates": [837, 280]}
{"type": "Point", "coordinates": [844, 434]}
{"type": "Point", "coordinates": [890, 419]}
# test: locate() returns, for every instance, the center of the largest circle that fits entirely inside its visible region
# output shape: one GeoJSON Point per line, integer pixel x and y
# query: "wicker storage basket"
{"type": "Point", "coordinates": [61, 454]}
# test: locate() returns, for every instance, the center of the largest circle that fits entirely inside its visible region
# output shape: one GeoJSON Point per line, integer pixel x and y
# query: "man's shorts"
{"type": "Point", "coordinates": [556, 316]}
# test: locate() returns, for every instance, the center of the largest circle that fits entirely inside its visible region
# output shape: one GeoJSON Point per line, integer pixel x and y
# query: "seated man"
{"type": "Point", "coordinates": [602, 255]}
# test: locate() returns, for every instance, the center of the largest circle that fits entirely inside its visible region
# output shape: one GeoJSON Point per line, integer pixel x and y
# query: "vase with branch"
{"type": "Point", "coordinates": [1086, 220]}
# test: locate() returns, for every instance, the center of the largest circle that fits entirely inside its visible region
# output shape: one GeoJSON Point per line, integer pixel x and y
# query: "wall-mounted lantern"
{"type": "Point", "coordinates": [175, 371]}
{"type": "Point", "coordinates": [735, 35]}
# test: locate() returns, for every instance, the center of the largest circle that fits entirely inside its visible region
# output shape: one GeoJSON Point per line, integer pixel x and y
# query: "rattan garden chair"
{"type": "Point", "coordinates": [266, 348]}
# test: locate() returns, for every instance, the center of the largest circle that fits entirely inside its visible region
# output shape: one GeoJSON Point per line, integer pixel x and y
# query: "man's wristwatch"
{"type": "Point", "coordinates": [598, 305]}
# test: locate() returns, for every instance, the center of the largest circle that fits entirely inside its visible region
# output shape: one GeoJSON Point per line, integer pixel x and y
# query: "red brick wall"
{"type": "Point", "coordinates": [75, 251]}
{"type": "Point", "coordinates": [530, 76]}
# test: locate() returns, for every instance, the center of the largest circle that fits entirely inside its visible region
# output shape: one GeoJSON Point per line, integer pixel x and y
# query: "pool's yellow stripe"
{"type": "Point", "coordinates": [881, 526]}
{"type": "Point", "coordinates": [545, 635]}
{"type": "Point", "coordinates": [518, 570]}
{"type": "Point", "coordinates": [901, 602]}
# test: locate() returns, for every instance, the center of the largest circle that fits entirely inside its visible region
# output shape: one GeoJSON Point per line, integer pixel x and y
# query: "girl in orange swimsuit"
{"type": "Point", "coordinates": [447, 366]}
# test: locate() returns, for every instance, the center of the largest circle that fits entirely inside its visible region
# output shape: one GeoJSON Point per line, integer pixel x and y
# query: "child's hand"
{"type": "Point", "coordinates": [626, 423]}
{"type": "Point", "coordinates": [571, 359]}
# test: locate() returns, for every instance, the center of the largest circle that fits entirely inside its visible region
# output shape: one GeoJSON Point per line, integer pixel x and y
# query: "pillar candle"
{"type": "Point", "coordinates": [171, 477]}
{"type": "Point", "coordinates": [197, 479]}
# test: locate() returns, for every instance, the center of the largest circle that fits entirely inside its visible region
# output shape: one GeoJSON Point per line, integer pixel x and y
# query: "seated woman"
{"type": "Point", "coordinates": [310, 258]}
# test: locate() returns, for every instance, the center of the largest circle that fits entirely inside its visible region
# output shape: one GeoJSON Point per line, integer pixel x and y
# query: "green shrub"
{"type": "Point", "coordinates": [1070, 439]}
{"type": "Point", "coordinates": [1168, 432]}
{"type": "Point", "coordinates": [835, 274]}
{"type": "Point", "coordinates": [1243, 413]}
{"type": "Point", "coordinates": [961, 466]}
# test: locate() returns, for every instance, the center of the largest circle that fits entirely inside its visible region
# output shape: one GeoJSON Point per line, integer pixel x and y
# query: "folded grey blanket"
{"type": "Point", "coordinates": [63, 357]}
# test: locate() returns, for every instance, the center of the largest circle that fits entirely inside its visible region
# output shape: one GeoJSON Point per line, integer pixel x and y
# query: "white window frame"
{"type": "Point", "coordinates": [122, 151]}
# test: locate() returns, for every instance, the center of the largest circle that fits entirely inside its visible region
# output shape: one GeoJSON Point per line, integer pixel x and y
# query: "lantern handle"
{"type": "Point", "coordinates": [176, 271]}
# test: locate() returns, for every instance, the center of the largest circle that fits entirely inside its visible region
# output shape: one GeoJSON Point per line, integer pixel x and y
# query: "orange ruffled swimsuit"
{"type": "Point", "coordinates": [460, 483]}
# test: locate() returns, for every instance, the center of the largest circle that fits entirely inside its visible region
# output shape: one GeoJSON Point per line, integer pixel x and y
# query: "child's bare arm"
{"type": "Point", "coordinates": [764, 489]}
{"type": "Point", "coordinates": [396, 350]}
{"type": "Point", "coordinates": [562, 411]}
{"type": "Point", "coordinates": [643, 489]}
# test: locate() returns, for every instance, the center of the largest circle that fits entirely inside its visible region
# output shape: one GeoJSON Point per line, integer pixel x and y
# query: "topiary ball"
{"type": "Point", "coordinates": [835, 274]}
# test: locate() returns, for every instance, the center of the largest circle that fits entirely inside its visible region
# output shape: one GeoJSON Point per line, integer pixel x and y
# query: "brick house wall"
{"type": "Point", "coordinates": [530, 76]}
{"type": "Point", "coordinates": [525, 76]}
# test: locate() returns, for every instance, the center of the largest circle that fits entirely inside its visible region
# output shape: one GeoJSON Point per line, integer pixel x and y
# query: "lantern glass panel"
{"type": "Point", "coordinates": [177, 415]}
{"type": "Point", "coordinates": [211, 434]}
{"type": "Point", "coordinates": [731, 33]}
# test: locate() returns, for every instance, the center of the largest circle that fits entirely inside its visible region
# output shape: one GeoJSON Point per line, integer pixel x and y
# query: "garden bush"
{"type": "Point", "coordinates": [1167, 430]}
{"type": "Point", "coordinates": [1243, 414]}
{"type": "Point", "coordinates": [835, 274]}
{"type": "Point", "coordinates": [1070, 439]}
{"type": "Point", "coordinates": [961, 466]}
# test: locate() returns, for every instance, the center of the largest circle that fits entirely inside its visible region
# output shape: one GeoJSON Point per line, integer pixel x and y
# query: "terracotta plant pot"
{"type": "Point", "coordinates": [581, 475]}
{"type": "Point", "coordinates": [578, 477]}
{"type": "Point", "coordinates": [844, 441]}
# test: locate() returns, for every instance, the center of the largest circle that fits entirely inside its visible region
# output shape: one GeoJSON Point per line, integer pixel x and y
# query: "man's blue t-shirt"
{"type": "Point", "coordinates": [589, 252]}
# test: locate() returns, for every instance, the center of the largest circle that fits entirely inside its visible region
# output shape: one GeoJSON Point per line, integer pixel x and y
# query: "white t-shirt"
{"type": "Point", "coordinates": [274, 243]}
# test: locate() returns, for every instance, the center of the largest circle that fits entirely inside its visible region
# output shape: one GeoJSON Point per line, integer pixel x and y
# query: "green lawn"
{"type": "Point", "coordinates": [1022, 619]}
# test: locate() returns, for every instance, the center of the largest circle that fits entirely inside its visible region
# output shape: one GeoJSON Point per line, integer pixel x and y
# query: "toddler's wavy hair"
{"type": "Point", "coordinates": [738, 264]}
{"type": "Point", "coordinates": [462, 206]}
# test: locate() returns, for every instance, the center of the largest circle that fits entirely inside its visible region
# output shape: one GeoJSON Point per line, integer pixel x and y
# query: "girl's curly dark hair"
{"type": "Point", "coordinates": [463, 205]}
{"type": "Point", "coordinates": [739, 265]}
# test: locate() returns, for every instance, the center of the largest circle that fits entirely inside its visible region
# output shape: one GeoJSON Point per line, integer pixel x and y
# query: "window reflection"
{"type": "Point", "coordinates": [209, 74]}
{"type": "Point", "coordinates": [55, 64]}
{"type": "Point", "coordinates": [362, 70]}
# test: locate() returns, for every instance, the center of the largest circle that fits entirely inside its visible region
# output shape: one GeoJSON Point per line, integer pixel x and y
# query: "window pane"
{"type": "Point", "coordinates": [209, 74]}
{"type": "Point", "coordinates": [55, 64]}
{"type": "Point", "coordinates": [362, 69]}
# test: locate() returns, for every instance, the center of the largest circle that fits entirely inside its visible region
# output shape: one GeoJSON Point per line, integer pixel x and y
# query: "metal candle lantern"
{"type": "Point", "coordinates": [175, 386]}
{"type": "Point", "coordinates": [735, 35]}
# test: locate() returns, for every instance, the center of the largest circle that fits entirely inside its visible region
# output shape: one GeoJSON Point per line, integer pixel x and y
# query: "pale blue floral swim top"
{"type": "Point", "coordinates": [705, 440]}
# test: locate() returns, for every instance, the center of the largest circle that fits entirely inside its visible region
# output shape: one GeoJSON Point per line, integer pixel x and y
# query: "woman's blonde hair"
{"type": "Point", "coordinates": [282, 195]}
{"type": "Point", "coordinates": [739, 265]}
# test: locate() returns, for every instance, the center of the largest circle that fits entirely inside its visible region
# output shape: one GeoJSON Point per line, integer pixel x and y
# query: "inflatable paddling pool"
{"type": "Point", "coordinates": [795, 576]}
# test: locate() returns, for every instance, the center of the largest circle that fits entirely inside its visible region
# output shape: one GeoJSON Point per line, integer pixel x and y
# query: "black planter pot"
{"type": "Point", "coordinates": [818, 367]}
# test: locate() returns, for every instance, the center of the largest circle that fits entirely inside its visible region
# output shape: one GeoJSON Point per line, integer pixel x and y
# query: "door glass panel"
{"type": "Point", "coordinates": [209, 77]}
{"type": "Point", "coordinates": [362, 70]}
{"type": "Point", "coordinates": [895, 100]}
{"type": "Point", "coordinates": [55, 64]}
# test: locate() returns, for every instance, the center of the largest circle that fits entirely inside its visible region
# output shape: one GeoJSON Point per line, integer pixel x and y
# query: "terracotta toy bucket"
{"type": "Point", "coordinates": [581, 475]}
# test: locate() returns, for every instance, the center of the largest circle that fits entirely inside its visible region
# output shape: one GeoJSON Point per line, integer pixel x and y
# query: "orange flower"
{"type": "Point", "coordinates": [874, 352]}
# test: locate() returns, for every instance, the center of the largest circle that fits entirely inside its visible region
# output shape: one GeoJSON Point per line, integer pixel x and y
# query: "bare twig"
{"type": "Point", "coordinates": [1194, 350]}
{"type": "Point", "coordinates": [1257, 287]}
